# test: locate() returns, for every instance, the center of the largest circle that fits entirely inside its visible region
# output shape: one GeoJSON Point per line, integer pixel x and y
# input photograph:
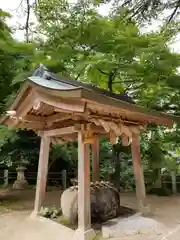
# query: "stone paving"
{"type": "Point", "coordinates": [20, 226]}
{"type": "Point", "coordinates": [135, 225]}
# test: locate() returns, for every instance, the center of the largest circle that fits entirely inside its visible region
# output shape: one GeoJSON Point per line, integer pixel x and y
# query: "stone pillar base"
{"type": "Point", "coordinates": [145, 210]}
{"type": "Point", "coordinates": [20, 184]}
{"type": "Point", "coordinates": [34, 214]}
{"type": "Point", "coordinates": [81, 235]}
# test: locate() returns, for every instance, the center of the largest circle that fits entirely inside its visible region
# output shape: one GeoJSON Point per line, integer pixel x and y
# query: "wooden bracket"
{"type": "Point", "coordinates": [89, 137]}
{"type": "Point", "coordinates": [126, 141]}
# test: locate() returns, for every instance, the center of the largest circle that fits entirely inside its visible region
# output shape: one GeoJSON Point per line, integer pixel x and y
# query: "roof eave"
{"type": "Point", "coordinates": [158, 118]}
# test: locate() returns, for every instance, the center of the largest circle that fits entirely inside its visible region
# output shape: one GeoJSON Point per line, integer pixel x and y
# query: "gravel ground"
{"type": "Point", "coordinates": [16, 206]}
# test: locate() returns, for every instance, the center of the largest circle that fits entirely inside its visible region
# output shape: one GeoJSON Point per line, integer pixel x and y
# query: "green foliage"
{"type": "Point", "coordinates": [16, 60]}
{"type": "Point", "coordinates": [51, 212]}
{"type": "Point", "coordinates": [110, 52]}
{"type": "Point", "coordinates": [66, 153]}
{"type": "Point", "coordinates": [106, 165]}
{"type": "Point", "coordinates": [155, 153]}
{"type": "Point", "coordinates": [20, 148]}
{"type": "Point", "coordinates": [146, 10]}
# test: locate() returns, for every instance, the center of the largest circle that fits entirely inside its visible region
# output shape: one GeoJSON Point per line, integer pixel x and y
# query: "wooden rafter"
{"type": "Point", "coordinates": [115, 118]}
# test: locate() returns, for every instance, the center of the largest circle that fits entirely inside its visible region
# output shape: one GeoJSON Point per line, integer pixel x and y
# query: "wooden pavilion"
{"type": "Point", "coordinates": [63, 110]}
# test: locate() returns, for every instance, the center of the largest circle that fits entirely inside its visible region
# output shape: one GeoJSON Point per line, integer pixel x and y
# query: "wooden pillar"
{"type": "Point", "coordinates": [139, 175]}
{"type": "Point", "coordinates": [95, 161]}
{"type": "Point", "coordinates": [64, 179]}
{"type": "Point", "coordinates": [42, 173]}
{"type": "Point", "coordinates": [84, 231]}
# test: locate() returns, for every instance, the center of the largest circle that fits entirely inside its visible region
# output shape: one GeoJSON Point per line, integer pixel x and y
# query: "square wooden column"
{"type": "Point", "coordinates": [42, 173]}
{"type": "Point", "coordinates": [84, 231]}
{"type": "Point", "coordinates": [139, 175]}
{"type": "Point", "coordinates": [95, 160]}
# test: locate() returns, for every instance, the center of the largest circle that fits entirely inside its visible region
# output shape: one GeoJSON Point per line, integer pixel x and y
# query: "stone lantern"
{"type": "Point", "coordinates": [21, 182]}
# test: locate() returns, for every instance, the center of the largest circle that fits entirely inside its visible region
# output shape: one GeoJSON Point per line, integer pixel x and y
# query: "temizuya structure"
{"type": "Point", "coordinates": [63, 110]}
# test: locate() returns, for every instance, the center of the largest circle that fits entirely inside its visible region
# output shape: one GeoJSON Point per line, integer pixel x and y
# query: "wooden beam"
{"type": "Point", "coordinates": [33, 118]}
{"type": "Point", "coordinates": [69, 138]}
{"type": "Point", "coordinates": [62, 104]}
{"type": "Point", "coordinates": [42, 173]}
{"type": "Point", "coordinates": [31, 125]}
{"type": "Point", "coordinates": [95, 160]}
{"type": "Point", "coordinates": [24, 90]}
{"type": "Point", "coordinates": [97, 102]}
{"type": "Point", "coordinates": [56, 140]}
{"type": "Point", "coordinates": [117, 118]}
{"type": "Point", "coordinates": [58, 117]}
{"type": "Point", "coordinates": [94, 128]}
{"type": "Point", "coordinates": [26, 105]}
{"type": "Point", "coordinates": [24, 108]}
{"type": "Point", "coordinates": [37, 104]}
{"type": "Point", "coordinates": [59, 132]}
{"type": "Point", "coordinates": [138, 173]}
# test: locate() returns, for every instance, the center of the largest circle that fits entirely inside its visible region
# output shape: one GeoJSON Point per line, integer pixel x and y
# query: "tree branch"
{"type": "Point", "coordinates": [128, 81]}
{"type": "Point", "coordinates": [101, 71]}
{"type": "Point", "coordinates": [111, 77]}
{"type": "Point", "coordinates": [174, 12]}
{"type": "Point", "coordinates": [27, 20]}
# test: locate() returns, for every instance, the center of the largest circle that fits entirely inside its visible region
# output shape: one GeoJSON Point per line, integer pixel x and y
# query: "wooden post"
{"type": "Point", "coordinates": [174, 184]}
{"type": "Point", "coordinates": [42, 173]}
{"type": "Point", "coordinates": [64, 179]}
{"type": "Point", "coordinates": [84, 231]}
{"type": "Point", "coordinates": [139, 175]}
{"type": "Point", "coordinates": [95, 161]}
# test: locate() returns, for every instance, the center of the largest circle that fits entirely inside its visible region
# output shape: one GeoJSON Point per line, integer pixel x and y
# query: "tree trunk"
{"type": "Point", "coordinates": [158, 183]}
{"type": "Point", "coordinates": [173, 179]}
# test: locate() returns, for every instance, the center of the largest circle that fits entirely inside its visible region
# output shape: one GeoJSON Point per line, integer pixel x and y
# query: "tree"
{"type": "Point", "coordinates": [16, 58]}
{"type": "Point", "coordinates": [120, 58]}
{"type": "Point", "coordinates": [149, 9]}
{"type": "Point", "coordinates": [156, 155]}
{"type": "Point", "coordinates": [7, 60]}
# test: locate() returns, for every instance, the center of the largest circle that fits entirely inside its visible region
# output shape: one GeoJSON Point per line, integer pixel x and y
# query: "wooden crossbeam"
{"type": "Point", "coordinates": [94, 128]}
{"type": "Point", "coordinates": [32, 125]}
{"type": "Point", "coordinates": [58, 117]}
{"type": "Point", "coordinates": [33, 118]}
{"type": "Point", "coordinates": [58, 132]}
